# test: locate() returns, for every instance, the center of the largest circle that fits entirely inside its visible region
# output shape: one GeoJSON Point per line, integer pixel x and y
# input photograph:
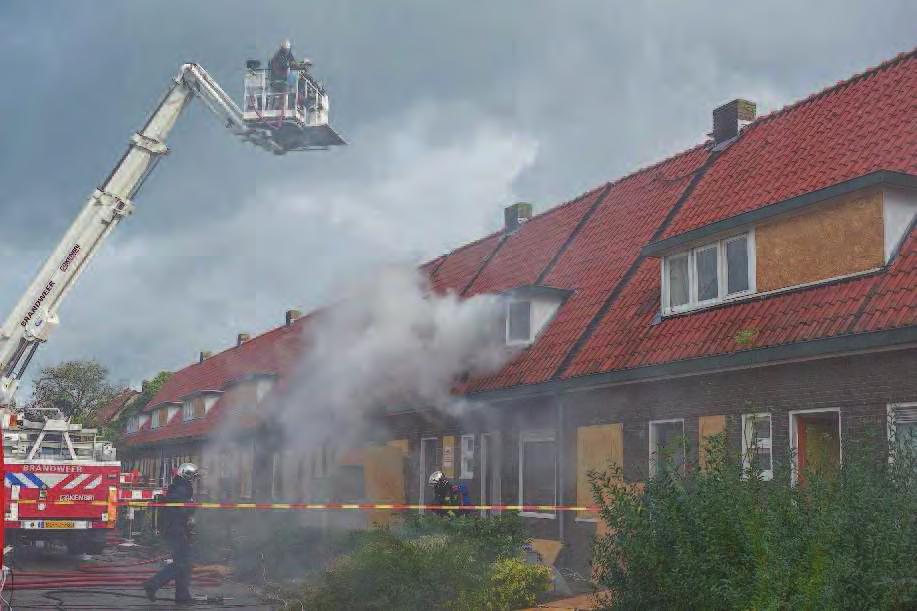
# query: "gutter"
{"type": "Point", "coordinates": [842, 345]}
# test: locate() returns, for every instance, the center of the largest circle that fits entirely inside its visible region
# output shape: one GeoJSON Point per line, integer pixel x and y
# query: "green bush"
{"type": "Point", "coordinates": [722, 538]}
{"type": "Point", "coordinates": [498, 536]}
{"type": "Point", "coordinates": [514, 584]}
{"type": "Point", "coordinates": [433, 563]}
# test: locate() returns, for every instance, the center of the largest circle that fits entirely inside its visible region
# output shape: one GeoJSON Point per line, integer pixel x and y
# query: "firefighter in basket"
{"type": "Point", "coordinates": [175, 524]}
{"type": "Point", "coordinates": [447, 494]}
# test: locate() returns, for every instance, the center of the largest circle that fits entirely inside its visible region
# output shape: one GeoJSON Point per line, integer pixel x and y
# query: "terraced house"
{"type": "Point", "coordinates": [762, 283]}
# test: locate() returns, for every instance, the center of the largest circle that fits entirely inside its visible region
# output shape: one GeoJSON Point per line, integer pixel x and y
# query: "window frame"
{"type": "Point", "coordinates": [155, 419]}
{"type": "Point", "coordinates": [794, 437]}
{"type": "Point", "coordinates": [534, 437]}
{"type": "Point", "coordinates": [722, 270]}
{"type": "Point", "coordinates": [518, 342]}
{"type": "Point", "coordinates": [892, 411]}
{"type": "Point", "coordinates": [653, 443]}
{"type": "Point", "coordinates": [467, 458]}
{"type": "Point", "coordinates": [766, 474]}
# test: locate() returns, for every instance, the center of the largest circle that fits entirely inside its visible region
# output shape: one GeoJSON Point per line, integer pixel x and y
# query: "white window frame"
{"type": "Point", "coordinates": [155, 420]}
{"type": "Point", "coordinates": [794, 440]}
{"type": "Point", "coordinates": [722, 274]}
{"type": "Point", "coordinates": [467, 458]}
{"type": "Point", "coordinates": [653, 442]}
{"type": "Point", "coordinates": [748, 444]}
{"type": "Point", "coordinates": [892, 410]}
{"type": "Point", "coordinates": [535, 436]}
{"type": "Point", "coordinates": [519, 342]}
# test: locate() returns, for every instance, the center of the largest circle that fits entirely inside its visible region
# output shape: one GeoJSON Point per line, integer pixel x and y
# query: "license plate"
{"type": "Point", "coordinates": [59, 524]}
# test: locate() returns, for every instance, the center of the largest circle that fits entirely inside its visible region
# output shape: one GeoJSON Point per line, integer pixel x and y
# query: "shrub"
{"type": "Point", "coordinates": [724, 539]}
{"type": "Point", "coordinates": [499, 536]}
{"type": "Point", "coordinates": [514, 584]}
{"type": "Point", "coordinates": [433, 563]}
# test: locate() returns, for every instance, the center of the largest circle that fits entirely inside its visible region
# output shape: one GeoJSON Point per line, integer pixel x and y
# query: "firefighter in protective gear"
{"type": "Point", "coordinates": [445, 493]}
{"type": "Point", "coordinates": [175, 528]}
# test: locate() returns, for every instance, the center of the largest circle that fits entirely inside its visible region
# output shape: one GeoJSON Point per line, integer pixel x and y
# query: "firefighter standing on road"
{"type": "Point", "coordinates": [175, 527]}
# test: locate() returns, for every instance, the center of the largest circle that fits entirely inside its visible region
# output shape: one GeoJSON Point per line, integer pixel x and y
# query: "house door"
{"type": "Point", "coordinates": [490, 470]}
{"type": "Point", "coordinates": [431, 458]}
{"type": "Point", "coordinates": [816, 440]}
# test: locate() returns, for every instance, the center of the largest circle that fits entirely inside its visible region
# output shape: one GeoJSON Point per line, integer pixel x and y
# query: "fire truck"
{"type": "Point", "coordinates": [59, 477]}
{"type": "Point", "coordinates": [62, 481]}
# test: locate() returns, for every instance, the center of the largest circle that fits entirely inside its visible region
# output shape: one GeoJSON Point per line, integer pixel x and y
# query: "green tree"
{"type": "Point", "coordinates": [77, 388]}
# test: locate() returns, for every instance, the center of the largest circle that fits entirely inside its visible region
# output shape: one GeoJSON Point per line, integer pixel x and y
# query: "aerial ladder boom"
{"type": "Point", "coordinates": [35, 317]}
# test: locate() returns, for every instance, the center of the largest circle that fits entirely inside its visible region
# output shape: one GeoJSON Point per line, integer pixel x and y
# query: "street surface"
{"type": "Point", "coordinates": [110, 583]}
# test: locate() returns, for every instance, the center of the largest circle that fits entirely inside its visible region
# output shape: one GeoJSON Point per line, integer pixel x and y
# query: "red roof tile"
{"type": "Point", "coordinates": [861, 125]}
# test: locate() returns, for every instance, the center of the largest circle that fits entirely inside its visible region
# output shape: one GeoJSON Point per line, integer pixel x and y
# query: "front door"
{"type": "Point", "coordinates": [817, 441]}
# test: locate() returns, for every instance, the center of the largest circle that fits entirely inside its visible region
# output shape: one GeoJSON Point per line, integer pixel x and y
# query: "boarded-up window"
{"type": "Point", "coordinates": [193, 408]}
{"type": "Point", "coordinates": [598, 447]}
{"type": "Point", "coordinates": [706, 427]}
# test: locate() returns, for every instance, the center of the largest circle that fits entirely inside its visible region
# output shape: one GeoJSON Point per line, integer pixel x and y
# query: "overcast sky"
{"type": "Point", "coordinates": [451, 111]}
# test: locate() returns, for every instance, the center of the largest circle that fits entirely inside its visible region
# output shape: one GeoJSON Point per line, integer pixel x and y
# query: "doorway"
{"type": "Point", "coordinates": [815, 438]}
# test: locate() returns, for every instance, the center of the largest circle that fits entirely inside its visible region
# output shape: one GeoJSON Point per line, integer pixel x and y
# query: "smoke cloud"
{"type": "Point", "coordinates": [390, 342]}
{"type": "Point", "coordinates": [393, 342]}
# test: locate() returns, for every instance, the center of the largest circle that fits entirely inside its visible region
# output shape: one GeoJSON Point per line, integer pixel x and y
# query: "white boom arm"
{"type": "Point", "coordinates": [34, 317]}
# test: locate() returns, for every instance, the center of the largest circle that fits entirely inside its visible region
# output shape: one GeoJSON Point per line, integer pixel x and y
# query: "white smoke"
{"type": "Point", "coordinates": [390, 343]}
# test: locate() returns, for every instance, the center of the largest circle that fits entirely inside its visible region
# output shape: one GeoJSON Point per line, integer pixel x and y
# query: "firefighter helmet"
{"type": "Point", "coordinates": [188, 471]}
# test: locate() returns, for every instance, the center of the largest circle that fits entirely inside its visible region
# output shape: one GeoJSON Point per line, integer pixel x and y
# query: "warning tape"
{"type": "Point", "coordinates": [326, 506]}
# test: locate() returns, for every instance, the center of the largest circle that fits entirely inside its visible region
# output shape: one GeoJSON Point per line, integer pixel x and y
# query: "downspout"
{"type": "Point", "coordinates": [559, 464]}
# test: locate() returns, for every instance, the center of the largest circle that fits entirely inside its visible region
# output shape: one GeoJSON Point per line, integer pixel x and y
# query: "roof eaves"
{"type": "Point", "coordinates": [892, 339]}
{"type": "Point", "coordinates": [886, 178]}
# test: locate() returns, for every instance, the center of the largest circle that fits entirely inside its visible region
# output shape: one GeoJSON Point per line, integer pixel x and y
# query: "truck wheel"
{"type": "Point", "coordinates": [76, 546]}
{"type": "Point", "coordinates": [94, 544]}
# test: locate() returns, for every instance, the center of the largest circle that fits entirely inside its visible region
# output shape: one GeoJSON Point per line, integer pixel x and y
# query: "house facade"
{"type": "Point", "coordinates": [761, 284]}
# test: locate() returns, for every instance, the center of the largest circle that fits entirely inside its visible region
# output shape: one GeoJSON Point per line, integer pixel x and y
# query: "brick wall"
{"type": "Point", "coordinates": [859, 386]}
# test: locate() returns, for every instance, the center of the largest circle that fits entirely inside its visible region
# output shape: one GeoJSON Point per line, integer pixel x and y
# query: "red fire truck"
{"type": "Point", "coordinates": [62, 482]}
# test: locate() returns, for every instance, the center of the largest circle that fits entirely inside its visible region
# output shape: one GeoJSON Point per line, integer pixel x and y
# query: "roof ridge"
{"type": "Point", "coordinates": [256, 338]}
{"type": "Point", "coordinates": [856, 77]}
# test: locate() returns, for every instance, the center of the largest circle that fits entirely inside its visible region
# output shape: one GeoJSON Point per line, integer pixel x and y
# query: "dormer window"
{"type": "Point", "coordinates": [708, 274]}
{"type": "Point", "coordinates": [518, 322]}
{"type": "Point", "coordinates": [198, 405]}
{"type": "Point", "coordinates": [529, 309]}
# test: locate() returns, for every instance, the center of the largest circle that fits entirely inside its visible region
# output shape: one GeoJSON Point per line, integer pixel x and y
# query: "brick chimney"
{"type": "Point", "coordinates": [516, 215]}
{"type": "Point", "coordinates": [291, 315]}
{"type": "Point", "coordinates": [729, 118]}
{"type": "Point", "coordinates": [204, 356]}
{"type": "Point", "coordinates": [242, 338]}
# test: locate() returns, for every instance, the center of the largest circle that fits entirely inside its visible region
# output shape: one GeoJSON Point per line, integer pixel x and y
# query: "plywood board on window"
{"type": "Point", "coordinates": [597, 447]}
{"type": "Point", "coordinates": [383, 469]}
{"type": "Point", "coordinates": [401, 444]}
{"type": "Point", "coordinates": [836, 239]}
{"type": "Point", "coordinates": [707, 426]}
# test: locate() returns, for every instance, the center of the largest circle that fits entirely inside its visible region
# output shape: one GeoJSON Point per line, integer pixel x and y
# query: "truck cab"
{"type": "Point", "coordinates": [61, 481]}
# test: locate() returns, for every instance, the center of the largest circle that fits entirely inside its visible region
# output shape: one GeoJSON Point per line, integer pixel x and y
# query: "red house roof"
{"type": "Point", "coordinates": [591, 246]}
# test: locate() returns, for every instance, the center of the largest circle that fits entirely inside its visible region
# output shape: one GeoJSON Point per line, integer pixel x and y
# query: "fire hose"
{"type": "Point", "coordinates": [94, 574]}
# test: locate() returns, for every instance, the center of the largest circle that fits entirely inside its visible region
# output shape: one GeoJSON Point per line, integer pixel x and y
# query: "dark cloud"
{"type": "Point", "coordinates": [451, 111]}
